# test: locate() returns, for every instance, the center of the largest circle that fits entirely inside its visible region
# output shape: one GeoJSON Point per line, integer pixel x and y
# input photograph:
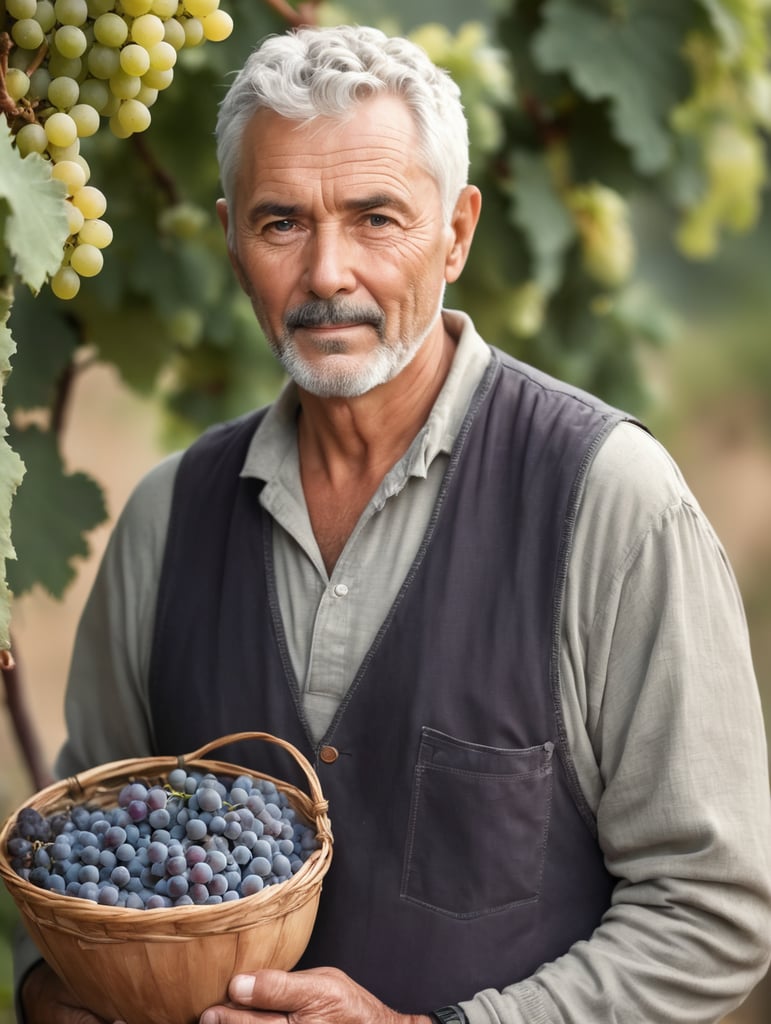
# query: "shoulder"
{"type": "Point", "coordinates": [633, 486]}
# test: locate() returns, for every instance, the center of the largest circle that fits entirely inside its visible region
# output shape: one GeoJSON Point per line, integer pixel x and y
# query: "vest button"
{"type": "Point", "coordinates": [329, 754]}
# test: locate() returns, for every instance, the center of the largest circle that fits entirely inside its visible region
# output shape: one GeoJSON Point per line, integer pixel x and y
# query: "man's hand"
{"type": "Point", "coordinates": [322, 995]}
{"type": "Point", "coordinates": [45, 999]}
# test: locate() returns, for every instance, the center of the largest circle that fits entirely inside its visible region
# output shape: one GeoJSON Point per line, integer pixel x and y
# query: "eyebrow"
{"type": "Point", "coordinates": [373, 202]}
{"type": "Point", "coordinates": [289, 210]}
{"type": "Point", "coordinates": [269, 209]}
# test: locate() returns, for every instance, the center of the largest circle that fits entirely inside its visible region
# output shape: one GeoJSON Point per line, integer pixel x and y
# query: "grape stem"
{"type": "Point", "coordinates": [9, 107]}
{"type": "Point", "coordinates": [22, 721]}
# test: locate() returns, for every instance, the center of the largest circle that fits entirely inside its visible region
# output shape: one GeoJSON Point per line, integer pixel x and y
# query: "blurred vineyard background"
{"type": "Point", "coordinates": [169, 345]}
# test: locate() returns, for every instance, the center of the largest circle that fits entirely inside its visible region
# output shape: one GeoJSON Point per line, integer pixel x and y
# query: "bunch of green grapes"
{"type": "Point", "coordinates": [73, 65]}
{"type": "Point", "coordinates": [601, 217]}
{"type": "Point", "coordinates": [724, 120]}
{"type": "Point", "coordinates": [483, 73]}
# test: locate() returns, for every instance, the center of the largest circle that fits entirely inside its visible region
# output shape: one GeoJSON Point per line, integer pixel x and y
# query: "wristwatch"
{"type": "Point", "coordinates": [449, 1015]}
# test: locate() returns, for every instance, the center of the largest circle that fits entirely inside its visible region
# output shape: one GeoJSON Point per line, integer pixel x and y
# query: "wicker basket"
{"type": "Point", "coordinates": [168, 965]}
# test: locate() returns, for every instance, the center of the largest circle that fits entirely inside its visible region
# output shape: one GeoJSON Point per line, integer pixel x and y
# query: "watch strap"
{"type": "Point", "coordinates": [449, 1015]}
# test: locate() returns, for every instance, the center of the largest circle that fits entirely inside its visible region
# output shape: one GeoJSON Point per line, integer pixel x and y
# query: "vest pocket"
{"type": "Point", "coordinates": [479, 822]}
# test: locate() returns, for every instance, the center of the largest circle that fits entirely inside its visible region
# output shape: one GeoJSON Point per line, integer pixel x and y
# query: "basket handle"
{"type": "Point", "coordinates": [320, 805]}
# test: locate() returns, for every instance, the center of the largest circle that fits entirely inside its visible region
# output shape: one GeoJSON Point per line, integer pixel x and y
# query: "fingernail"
{"type": "Point", "coordinates": [242, 988]}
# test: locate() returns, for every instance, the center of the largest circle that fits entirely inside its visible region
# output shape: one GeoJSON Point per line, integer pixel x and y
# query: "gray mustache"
{"type": "Point", "coordinates": [324, 312]}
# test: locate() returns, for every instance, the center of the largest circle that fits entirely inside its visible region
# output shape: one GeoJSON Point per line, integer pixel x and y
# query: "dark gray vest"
{"type": "Point", "coordinates": [465, 855]}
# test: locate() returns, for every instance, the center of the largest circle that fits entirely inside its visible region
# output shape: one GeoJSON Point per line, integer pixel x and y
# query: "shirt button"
{"type": "Point", "coordinates": [329, 754]}
{"type": "Point", "coordinates": [340, 590]}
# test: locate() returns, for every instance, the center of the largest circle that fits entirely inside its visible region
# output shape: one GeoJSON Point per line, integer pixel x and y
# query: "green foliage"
{"type": "Point", "coordinates": [52, 510]}
{"type": "Point", "coordinates": [34, 225]}
{"type": "Point", "coordinates": [33, 232]}
{"type": "Point", "coordinates": [583, 116]}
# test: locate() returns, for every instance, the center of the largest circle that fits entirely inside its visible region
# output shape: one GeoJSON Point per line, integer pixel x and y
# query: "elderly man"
{"type": "Point", "coordinates": [485, 605]}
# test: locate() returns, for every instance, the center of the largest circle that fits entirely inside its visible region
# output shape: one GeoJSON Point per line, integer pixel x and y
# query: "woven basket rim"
{"type": "Point", "coordinates": [69, 913]}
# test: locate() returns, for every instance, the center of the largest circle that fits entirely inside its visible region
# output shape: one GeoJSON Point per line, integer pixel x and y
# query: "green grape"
{"type": "Point", "coordinates": [27, 34]}
{"type": "Point", "coordinates": [70, 152]}
{"type": "Point", "coordinates": [147, 30]}
{"type": "Point", "coordinates": [146, 95]}
{"type": "Point", "coordinates": [163, 56]}
{"type": "Point", "coordinates": [165, 8]}
{"type": "Point", "coordinates": [159, 80]}
{"type": "Point", "coordinates": [135, 8]}
{"type": "Point", "coordinates": [63, 92]}
{"type": "Point", "coordinates": [134, 116]}
{"type": "Point", "coordinates": [183, 220]}
{"type": "Point", "coordinates": [17, 83]}
{"type": "Point", "coordinates": [193, 28]}
{"type": "Point", "coordinates": [21, 8]}
{"type": "Point", "coordinates": [86, 118]}
{"type": "Point", "coordinates": [60, 129]}
{"type": "Point", "coordinates": [45, 15]}
{"type": "Point", "coordinates": [200, 8]}
{"type": "Point", "coordinates": [21, 59]}
{"type": "Point", "coordinates": [90, 201]}
{"type": "Point", "coordinates": [86, 260]}
{"type": "Point", "coordinates": [99, 7]}
{"type": "Point", "coordinates": [75, 219]}
{"type": "Point", "coordinates": [67, 67]}
{"type": "Point", "coordinates": [217, 26]}
{"type": "Point", "coordinates": [174, 33]}
{"type": "Point", "coordinates": [31, 138]}
{"type": "Point", "coordinates": [71, 12]}
{"type": "Point", "coordinates": [94, 93]}
{"type": "Point", "coordinates": [111, 106]}
{"type": "Point", "coordinates": [96, 232]}
{"type": "Point", "coordinates": [525, 309]}
{"type": "Point", "coordinates": [65, 283]}
{"type": "Point", "coordinates": [134, 60]}
{"type": "Point", "coordinates": [70, 41]}
{"type": "Point", "coordinates": [117, 127]}
{"type": "Point", "coordinates": [103, 61]}
{"type": "Point", "coordinates": [110, 30]}
{"type": "Point", "coordinates": [607, 243]}
{"type": "Point", "coordinates": [39, 81]}
{"type": "Point", "coordinates": [84, 164]}
{"type": "Point", "coordinates": [124, 86]}
{"type": "Point", "coordinates": [71, 173]}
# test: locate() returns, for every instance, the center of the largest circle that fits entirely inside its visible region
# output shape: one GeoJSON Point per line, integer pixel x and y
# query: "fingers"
{"type": "Point", "coordinates": [321, 995]}
{"type": "Point", "coordinates": [47, 1000]}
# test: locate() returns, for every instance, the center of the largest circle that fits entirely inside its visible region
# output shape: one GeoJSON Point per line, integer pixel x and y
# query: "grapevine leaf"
{"type": "Point", "coordinates": [539, 212]}
{"type": "Point", "coordinates": [727, 27]}
{"type": "Point", "coordinates": [11, 473]}
{"type": "Point", "coordinates": [48, 338]}
{"type": "Point", "coordinates": [36, 226]}
{"type": "Point", "coordinates": [135, 338]}
{"type": "Point", "coordinates": [632, 60]}
{"type": "Point", "coordinates": [51, 513]}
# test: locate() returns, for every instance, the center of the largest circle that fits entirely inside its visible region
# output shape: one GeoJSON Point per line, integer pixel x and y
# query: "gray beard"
{"type": "Point", "coordinates": [333, 378]}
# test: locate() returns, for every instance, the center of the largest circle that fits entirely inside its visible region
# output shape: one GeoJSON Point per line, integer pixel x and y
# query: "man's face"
{"type": "Point", "coordinates": [340, 243]}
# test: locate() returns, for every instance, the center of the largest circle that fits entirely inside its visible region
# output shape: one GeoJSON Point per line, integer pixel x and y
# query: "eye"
{"type": "Point", "coordinates": [378, 220]}
{"type": "Point", "coordinates": [281, 226]}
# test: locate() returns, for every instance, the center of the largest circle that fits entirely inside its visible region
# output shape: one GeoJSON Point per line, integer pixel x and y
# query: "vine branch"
{"type": "Point", "coordinates": [304, 14]}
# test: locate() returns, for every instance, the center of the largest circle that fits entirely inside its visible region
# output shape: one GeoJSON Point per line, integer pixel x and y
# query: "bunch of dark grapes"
{"type": "Point", "coordinates": [197, 839]}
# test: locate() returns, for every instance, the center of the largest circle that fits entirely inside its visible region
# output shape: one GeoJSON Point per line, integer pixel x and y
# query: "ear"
{"type": "Point", "coordinates": [462, 226]}
{"type": "Point", "coordinates": [222, 213]}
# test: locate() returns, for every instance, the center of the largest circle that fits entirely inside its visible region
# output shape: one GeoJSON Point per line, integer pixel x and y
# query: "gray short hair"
{"type": "Point", "coordinates": [325, 72]}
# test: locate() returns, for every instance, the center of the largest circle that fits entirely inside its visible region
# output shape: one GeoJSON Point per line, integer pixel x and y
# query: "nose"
{"type": "Point", "coordinates": [329, 267]}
